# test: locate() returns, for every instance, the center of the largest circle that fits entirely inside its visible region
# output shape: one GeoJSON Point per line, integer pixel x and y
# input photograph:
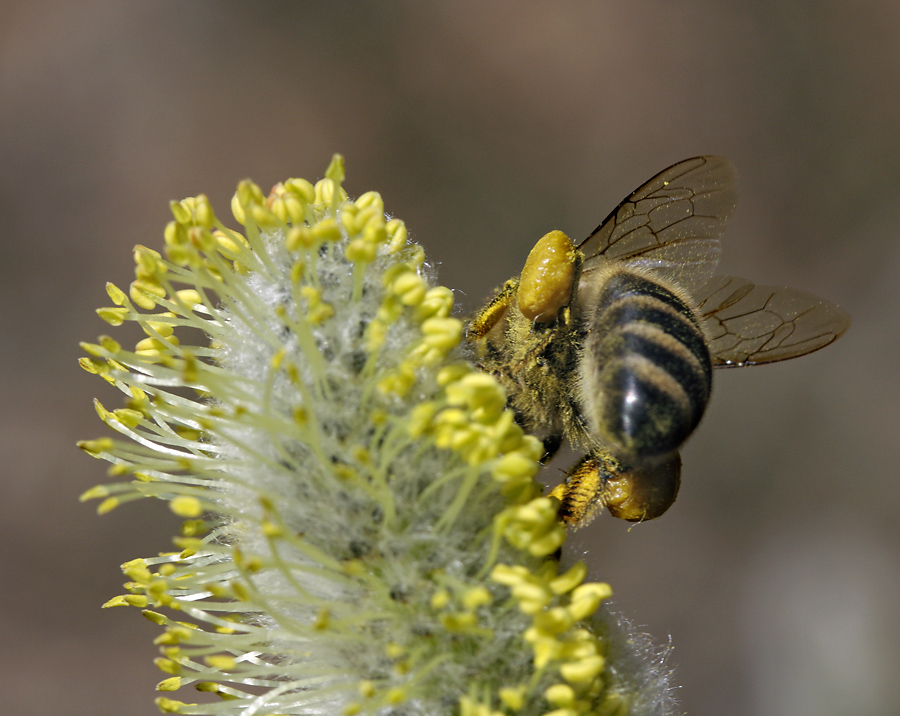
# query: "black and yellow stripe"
{"type": "Point", "coordinates": [646, 372]}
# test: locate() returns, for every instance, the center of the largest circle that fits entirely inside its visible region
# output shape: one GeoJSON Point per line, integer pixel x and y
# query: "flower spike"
{"type": "Point", "coordinates": [362, 531]}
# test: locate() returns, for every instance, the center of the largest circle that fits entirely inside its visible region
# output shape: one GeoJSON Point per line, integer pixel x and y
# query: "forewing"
{"type": "Point", "coordinates": [672, 224]}
{"type": "Point", "coordinates": [749, 324]}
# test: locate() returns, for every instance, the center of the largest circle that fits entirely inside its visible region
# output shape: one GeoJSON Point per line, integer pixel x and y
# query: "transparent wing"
{"type": "Point", "coordinates": [672, 224]}
{"type": "Point", "coordinates": [749, 324]}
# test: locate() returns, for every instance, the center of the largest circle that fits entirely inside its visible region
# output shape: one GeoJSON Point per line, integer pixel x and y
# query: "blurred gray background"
{"type": "Point", "coordinates": [483, 125]}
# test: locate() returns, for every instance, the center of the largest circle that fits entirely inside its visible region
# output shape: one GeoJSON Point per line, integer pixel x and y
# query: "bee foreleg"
{"type": "Point", "coordinates": [552, 444]}
{"type": "Point", "coordinates": [494, 313]}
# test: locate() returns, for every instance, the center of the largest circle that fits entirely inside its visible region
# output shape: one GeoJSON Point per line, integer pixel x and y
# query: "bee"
{"type": "Point", "coordinates": [611, 344]}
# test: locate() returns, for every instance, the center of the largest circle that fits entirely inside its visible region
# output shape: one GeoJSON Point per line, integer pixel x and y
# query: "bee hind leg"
{"type": "Point", "coordinates": [601, 480]}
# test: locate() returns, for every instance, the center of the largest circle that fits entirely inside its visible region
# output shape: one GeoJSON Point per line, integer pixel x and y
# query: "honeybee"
{"type": "Point", "coordinates": [611, 344]}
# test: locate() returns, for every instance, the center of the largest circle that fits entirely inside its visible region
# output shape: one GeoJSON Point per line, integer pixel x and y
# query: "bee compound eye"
{"type": "Point", "coordinates": [644, 493]}
{"type": "Point", "coordinates": [546, 283]}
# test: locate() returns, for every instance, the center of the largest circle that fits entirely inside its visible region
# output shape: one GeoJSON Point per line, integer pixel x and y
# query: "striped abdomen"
{"type": "Point", "coordinates": [646, 371]}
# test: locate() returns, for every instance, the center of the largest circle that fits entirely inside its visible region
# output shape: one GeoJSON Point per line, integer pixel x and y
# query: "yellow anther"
{"type": "Point", "coordinates": [236, 210]}
{"type": "Point", "coordinates": [396, 695]}
{"type": "Point", "coordinates": [299, 237]}
{"type": "Point", "coordinates": [203, 213]}
{"type": "Point", "coordinates": [420, 419]}
{"type": "Point", "coordinates": [398, 381]}
{"type": "Point", "coordinates": [189, 297]}
{"type": "Point", "coordinates": [451, 373]}
{"type": "Point", "coordinates": [92, 365]}
{"type": "Point", "coordinates": [301, 188]}
{"type": "Point", "coordinates": [349, 220]}
{"type": "Point", "coordinates": [154, 346]}
{"type": "Point", "coordinates": [180, 255]}
{"type": "Point", "coordinates": [371, 199]}
{"type": "Point", "coordinates": [512, 698]}
{"type": "Point", "coordinates": [290, 208]}
{"type": "Point", "coordinates": [564, 712]}
{"type": "Point", "coordinates": [128, 418]}
{"type": "Point", "coordinates": [587, 597]}
{"type": "Point", "coordinates": [148, 263]}
{"type": "Point", "coordinates": [297, 271]}
{"type": "Point", "coordinates": [249, 192]}
{"type": "Point", "coordinates": [437, 303]}
{"type": "Point", "coordinates": [221, 662]}
{"type": "Point", "coordinates": [171, 684]}
{"type": "Point", "coordinates": [185, 506]}
{"type": "Point", "coordinates": [323, 620]}
{"type": "Point", "coordinates": [439, 599]}
{"type": "Point", "coordinates": [113, 316]}
{"type": "Point", "coordinates": [311, 294]}
{"type": "Point", "coordinates": [167, 666]}
{"type": "Point", "coordinates": [175, 234]}
{"type": "Point", "coordinates": [560, 695]}
{"type": "Point", "coordinates": [155, 617]}
{"type": "Point", "coordinates": [329, 193]}
{"type": "Point", "coordinates": [181, 211]}
{"type": "Point", "coordinates": [583, 670]}
{"type": "Point", "coordinates": [144, 293]}
{"type": "Point", "coordinates": [570, 579]}
{"type": "Point", "coordinates": [335, 171]}
{"type": "Point", "coordinates": [410, 287]}
{"type": "Point", "coordinates": [458, 621]}
{"type": "Point", "coordinates": [271, 530]}
{"type": "Point", "coordinates": [108, 505]}
{"type": "Point", "coordinates": [327, 230]}
{"type": "Point", "coordinates": [374, 232]}
{"type": "Point", "coordinates": [545, 650]}
{"type": "Point", "coordinates": [361, 251]}
{"type": "Point", "coordinates": [171, 706]}
{"type": "Point", "coordinates": [320, 313]}
{"type": "Point", "coordinates": [116, 295]}
{"type": "Point", "coordinates": [230, 245]}
{"type": "Point", "coordinates": [514, 466]}
{"type": "Point", "coordinates": [202, 239]}
{"type": "Point", "coordinates": [554, 621]}
{"type": "Point", "coordinates": [396, 234]}
{"type": "Point", "coordinates": [548, 543]}
{"type": "Point", "coordinates": [510, 575]}
{"type": "Point", "coordinates": [172, 637]}
{"type": "Point", "coordinates": [95, 493]}
{"type": "Point", "coordinates": [480, 392]}
{"type": "Point", "coordinates": [476, 597]}
{"type": "Point", "coordinates": [527, 591]}
{"type": "Point", "coordinates": [442, 333]}
{"type": "Point", "coordinates": [160, 327]}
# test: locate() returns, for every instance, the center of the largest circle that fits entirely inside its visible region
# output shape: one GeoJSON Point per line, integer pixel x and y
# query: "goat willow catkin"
{"type": "Point", "coordinates": [362, 531]}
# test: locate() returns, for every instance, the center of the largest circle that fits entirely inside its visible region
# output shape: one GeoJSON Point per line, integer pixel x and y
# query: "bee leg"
{"type": "Point", "coordinates": [601, 480]}
{"type": "Point", "coordinates": [493, 315]}
{"type": "Point", "coordinates": [552, 444]}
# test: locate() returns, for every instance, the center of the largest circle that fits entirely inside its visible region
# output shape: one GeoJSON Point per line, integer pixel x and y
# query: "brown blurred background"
{"type": "Point", "coordinates": [483, 125]}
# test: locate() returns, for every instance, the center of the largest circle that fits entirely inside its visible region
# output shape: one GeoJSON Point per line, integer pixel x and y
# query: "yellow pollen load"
{"type": "Point", "coordinates": [546, 282]}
